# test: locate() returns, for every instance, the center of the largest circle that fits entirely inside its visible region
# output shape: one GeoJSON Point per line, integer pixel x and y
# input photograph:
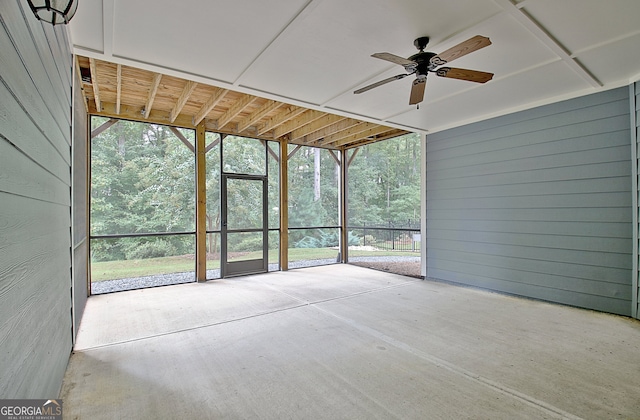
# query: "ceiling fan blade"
{"type": "Point", "coordinates": [395, 59]}
{"type": "Point", "coordinates": [464, 74]}
{"type": "Point", "coordinates": [380, 83]}
{"type": "Point", "coordinates": [417, 90]}
{"type": "Point", "coordinates": [464, 48]}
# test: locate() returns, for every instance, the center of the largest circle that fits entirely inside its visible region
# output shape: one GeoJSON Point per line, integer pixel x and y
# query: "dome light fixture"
{"type": "Point", "coordinates": [54, 11]}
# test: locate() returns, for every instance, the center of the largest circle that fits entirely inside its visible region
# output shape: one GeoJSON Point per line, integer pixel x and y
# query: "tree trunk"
{"type": "Point", "coordinates": [316, 174]}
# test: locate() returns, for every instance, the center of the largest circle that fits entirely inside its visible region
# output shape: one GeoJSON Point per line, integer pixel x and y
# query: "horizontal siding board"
{"type": "Point", "coordinates": [594, 171]}
{"type": "Point", "coordinates": [12, 74]}
{"type": "Point", "coordinates": [22, 176]}
{"type": "Point", "coordinates": [513, 148]}
{"type": "Point", "coordinates": [544, 138]}
{"type": "Point", "coordinates": [35, 213]}
{"type": "Point", "coordinates": [602, 259]}
{"type": "Point", "coordinates": [578, 243]}
{"type": "Point", "coordinates": [536, 203]}
{"type": "Point", "coordinates": [587, 229]}
{"type": "Point", "coordinates": [616, 215]}
{"type": "Point", "coordinates": [599, 303]}
{"type": "Point", "coordinates": [30, 270]}
{"type": "Point", "coordinates": [516, 275]}
{"type": "Point", "coordinates": [598, 185]}
{"type": "Point", "coordinates": [23, 219]}
{"type": "Point", "coordinates": [550, 161]}
{"type": "Point", "coordinates": [576, 271]}
{"type": "Point", "coordinates": [535, 114]}
{"type": "Point", "coordinates": [17, 128]}
{"type": "Point", "coordinates": [621, 199]}
{"type": "Point", "coordinates": [36, 54]}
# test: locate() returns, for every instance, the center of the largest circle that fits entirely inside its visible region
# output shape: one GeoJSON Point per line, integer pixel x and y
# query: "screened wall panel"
{"type": "Point", "coordinates": [35, 204]}
{"type": "Point", "coordinates": [536, 203]}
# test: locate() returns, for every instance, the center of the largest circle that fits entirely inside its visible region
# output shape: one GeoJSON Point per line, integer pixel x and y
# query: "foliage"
{"type": "Point", "coordinates": [143, 181]}
{"type": "Point", "coordinates": [384, 182]}
{"type": "Point", "coordinates": [324, 239]}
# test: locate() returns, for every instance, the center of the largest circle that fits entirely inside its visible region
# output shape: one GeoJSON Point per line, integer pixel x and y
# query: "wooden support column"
{"type": "Point", "coordinates": [201, 206]}
{"type": "Point", "coordinates": [284, 206]}
{"type": "Point", "coordinates": [344, 233]}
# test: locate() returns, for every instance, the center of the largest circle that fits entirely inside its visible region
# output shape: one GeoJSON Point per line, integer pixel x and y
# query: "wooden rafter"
{"type": "Point", "coordinates": [118, 87]}
{"type": "Point", "coordinates": [94, 84]}
{"type": "Point", "coordinates": [236, 109]}
{"type": "Point", "coordinates": [152, 94]}
{"type": "Point", "coordinates": [292, 124]}
{"type": "Point", "coordinates": [209, 105]}
{"type": "Point", "coordinates": [377, 138]}
{"type": "Point", "coordinates": [342, 134]}
{"type": "Point", "coordinates": [189, 87]}
{"type": "Point", "coordinates": [252, 119]}
{"type": "Point", "coordinates": [373, 131]}
{"type": "Point", "coordinates": [327, 131]}
{"type": "Point", "coordinates": [118, 91]}
{"type": "Point", "coordinates": [321, 123]}
{"type": "Point", "coordinates": [281, 118]}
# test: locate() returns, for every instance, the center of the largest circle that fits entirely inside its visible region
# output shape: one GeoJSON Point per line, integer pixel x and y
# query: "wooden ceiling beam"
{"type": "Point", "coordinates": [323, 122]}
{"type": "Point", "coordinates": [209, 105]}
{"type": "Point", "coordinates": [189, 87]}
{"type": "Point", "coordinates": [118, 87]}
{"type": "Point", "coordinates": [259, 114]}
{"type": "Point", "coordinates": [152, 94]}
{"type": "Point", "coordinates": [236, 109]}
{"type": "Point", "coordinates": [94, 84]}
{"type": "Point", "coordinates": [354, 129]}
{"type": "Point", "coordinates": [318, 136]}
{"type": "Point", "coordinates": [374, 131]}
{"type": "Point", "coordinates": [281, 118]}
{"type": "Point", "coordinates": [295, 123]}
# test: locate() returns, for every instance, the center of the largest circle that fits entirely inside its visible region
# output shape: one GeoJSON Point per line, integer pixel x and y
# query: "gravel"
{"type": "Point", "coordinates": [408, 266]}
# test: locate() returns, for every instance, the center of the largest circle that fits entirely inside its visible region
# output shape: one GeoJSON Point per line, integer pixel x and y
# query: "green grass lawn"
{"type": "Point", "coordinates": [110, 270]}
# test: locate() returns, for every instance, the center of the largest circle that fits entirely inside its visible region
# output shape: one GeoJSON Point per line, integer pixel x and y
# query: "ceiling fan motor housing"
{"type": "Point", "coordinates": [423, 60]}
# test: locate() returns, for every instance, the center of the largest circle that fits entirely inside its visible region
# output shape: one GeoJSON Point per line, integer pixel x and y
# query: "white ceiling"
{"type": "Point", "coordinates": [314, 53]}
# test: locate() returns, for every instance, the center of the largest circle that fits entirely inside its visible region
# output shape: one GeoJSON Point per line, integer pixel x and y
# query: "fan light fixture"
{"type": "Point", "coordinates": [54, 11]}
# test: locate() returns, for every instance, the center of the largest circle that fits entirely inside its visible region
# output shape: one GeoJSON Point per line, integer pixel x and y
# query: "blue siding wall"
{"type": "Point", "coordinates": [635, 119]}
{"type": "Point", "coordinates": [537, 203]}
{"type": "Point", "coordinates": [35, 210]}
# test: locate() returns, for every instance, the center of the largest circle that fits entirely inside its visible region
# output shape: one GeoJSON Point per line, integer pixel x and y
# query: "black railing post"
{"type": "Point", "coordinates": [364, 230]}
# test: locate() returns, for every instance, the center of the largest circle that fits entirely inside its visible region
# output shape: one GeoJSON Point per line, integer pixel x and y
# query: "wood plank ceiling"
{"type": "Point", "coordinates": [118, 91]}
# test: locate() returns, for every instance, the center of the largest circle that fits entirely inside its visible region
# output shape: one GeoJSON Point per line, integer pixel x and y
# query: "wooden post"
{"type": "Point", "coordinates": [201, 206]}
{"type": "Point", "coordinates": [284, 206]}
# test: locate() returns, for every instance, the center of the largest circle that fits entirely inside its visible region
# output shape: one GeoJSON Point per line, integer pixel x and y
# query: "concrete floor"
{"type": "Point", "coordinates": [346, 342]}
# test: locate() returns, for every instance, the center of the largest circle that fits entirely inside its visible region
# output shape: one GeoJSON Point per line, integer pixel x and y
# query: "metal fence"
{"type": "Point", "coordinates": [392, 236]}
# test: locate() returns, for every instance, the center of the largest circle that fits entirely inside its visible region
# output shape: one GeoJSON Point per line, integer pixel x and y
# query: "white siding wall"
{"type": "Point", "coordinates": [536, 203]}
{"type": "Point", "coordinates": [35, 212]}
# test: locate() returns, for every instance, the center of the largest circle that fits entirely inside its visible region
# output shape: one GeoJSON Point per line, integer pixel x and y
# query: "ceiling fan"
{"type": "Point", "coordinates": [423, 62]}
